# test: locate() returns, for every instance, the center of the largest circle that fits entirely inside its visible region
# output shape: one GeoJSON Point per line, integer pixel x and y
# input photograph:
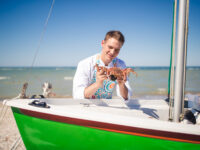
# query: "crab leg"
{"type": "Point", "coordinates": [128, 70]}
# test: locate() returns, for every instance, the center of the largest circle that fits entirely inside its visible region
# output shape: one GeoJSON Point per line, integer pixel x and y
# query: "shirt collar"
{"type": "Point", "coordinates": [111, 64]}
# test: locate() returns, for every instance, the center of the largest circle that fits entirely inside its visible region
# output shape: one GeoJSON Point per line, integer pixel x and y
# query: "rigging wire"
{"type": "Point", "coordinates": [42, 34]}
{"type": "Point", "coordinates": [4, 107]}
{"type": "Point", "coordinates": [40, 41]}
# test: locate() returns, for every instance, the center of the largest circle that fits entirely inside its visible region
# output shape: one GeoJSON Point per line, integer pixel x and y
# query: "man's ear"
{"type": "Point", "coordinates": [102, 42]}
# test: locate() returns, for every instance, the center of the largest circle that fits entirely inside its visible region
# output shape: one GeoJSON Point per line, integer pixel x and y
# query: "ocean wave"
{"type": "Point", "coordinates": [191, 69]}
{"type": "Point", "coordinates": [4, 78]}
{"type": "Point", "coordinates": [11, 69]}
{"type": "Point", "coordinates": [6, 69]}
{"type": "Point", "coordinates": [59, 69]}
{"type": "Point", "coordinates": [162, 90]}
{"type": "Point", "coordinates": [68, 78]}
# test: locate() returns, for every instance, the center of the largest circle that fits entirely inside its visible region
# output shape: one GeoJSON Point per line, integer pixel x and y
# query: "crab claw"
{"type": "Point", "coordinates": [97, 66]}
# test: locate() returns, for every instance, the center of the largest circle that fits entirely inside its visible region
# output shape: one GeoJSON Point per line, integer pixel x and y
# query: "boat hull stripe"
{"type": "Point", "coordinates": [166, 135]}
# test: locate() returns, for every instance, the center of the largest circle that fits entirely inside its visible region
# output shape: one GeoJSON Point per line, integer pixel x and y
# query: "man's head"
{"type": "Point", "coordinates": [116, 35]}
{"type": "Point", "coordinates": [111, 46]}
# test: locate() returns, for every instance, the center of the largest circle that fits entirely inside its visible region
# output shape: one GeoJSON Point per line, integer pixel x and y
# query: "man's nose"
{"type": "Point", "coordinates": [112, 51]}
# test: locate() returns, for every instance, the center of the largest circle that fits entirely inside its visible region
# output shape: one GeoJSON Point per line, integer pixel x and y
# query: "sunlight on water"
{"type": "Point", "coordinates": [150, 80]}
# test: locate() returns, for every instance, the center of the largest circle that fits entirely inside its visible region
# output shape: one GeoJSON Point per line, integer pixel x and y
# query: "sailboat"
{"type": "Point", "coordinates": [60, 123]}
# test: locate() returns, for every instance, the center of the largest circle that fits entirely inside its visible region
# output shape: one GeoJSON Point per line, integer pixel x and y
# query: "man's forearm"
{"type": "Point", "coordinates": [123, 91]}
{"type": "Point", "coordinates": [90, 90]}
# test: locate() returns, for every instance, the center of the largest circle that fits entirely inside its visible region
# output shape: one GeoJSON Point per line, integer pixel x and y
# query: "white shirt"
{"type": "Point", "coordinates": [84, 75]}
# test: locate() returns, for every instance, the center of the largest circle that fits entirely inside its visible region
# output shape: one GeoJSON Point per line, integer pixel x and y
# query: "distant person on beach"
{"type": "Point", "coordinates": [92, 83]}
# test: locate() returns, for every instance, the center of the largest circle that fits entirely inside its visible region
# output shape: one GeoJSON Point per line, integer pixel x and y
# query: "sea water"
{"type": "Point", "coordinates": [151, 81]}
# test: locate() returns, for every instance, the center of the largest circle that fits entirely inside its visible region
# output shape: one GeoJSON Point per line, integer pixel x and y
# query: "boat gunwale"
{"type": "Point", "coordinates": [144, 132]}
{"type": "Point", "coordinates": [85, 113]}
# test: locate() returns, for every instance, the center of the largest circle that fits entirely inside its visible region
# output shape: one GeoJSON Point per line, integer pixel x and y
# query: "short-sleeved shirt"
{"type": "Point", "coordinates": [85, 73]}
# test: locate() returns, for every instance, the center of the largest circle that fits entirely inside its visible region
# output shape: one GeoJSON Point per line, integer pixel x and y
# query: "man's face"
{"type": "Point", "coordinates": [110, 50]}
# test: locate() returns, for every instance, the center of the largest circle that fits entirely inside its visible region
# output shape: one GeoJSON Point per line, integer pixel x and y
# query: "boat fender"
{"type": "Point", "coordinates": [38, 103]}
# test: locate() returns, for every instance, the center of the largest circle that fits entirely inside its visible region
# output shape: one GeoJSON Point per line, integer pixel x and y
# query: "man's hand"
{"type": "Point", "coordinates": [100, 76]}
{"type": "Point", "coordinates": [122, 81]}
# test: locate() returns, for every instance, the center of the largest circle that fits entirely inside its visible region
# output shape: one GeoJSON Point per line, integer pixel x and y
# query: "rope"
{"type": "Point", "coordinates": [3, 111]}
{"type": "Point", "coordinates": [172, 58]}
{"type": "Point", "coordinates": [16, 143]}
{"type": "Point", "coordinates": [2, 116]}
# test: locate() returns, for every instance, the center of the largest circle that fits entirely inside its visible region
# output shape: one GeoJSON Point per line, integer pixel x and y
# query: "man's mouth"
{"type": "Point", "coordinates": [110, 56]}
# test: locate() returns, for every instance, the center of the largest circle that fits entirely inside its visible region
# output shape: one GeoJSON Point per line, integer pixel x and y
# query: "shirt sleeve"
{"type": "Point", "coordinates": [81, 80]}
{"type": "Point", "coordinates": [129, 90]}
{"type": "Point", "coordinates": [122, 65]}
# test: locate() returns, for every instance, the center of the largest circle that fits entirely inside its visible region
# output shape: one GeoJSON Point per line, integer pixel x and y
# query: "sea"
{"type": "Point", "coordinates": [150, 82]}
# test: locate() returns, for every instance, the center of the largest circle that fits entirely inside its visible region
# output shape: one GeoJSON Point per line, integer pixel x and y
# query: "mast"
{"type": "Point", "coordinates": [180, 58]}
{"type": "Point", "coordinates": [172, 61]}
{"type": "Point", "coordinates": [185, 58]}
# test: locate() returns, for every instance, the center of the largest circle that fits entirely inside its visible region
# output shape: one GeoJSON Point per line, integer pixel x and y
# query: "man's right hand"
{"type": "Point", "coordinates": [100, 76]}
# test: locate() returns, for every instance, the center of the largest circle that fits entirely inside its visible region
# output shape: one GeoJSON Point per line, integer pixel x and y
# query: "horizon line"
{"type": "Point", "coordinates": [76, 66]}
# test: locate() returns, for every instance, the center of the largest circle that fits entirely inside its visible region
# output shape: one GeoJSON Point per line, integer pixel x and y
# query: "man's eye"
{"type": "Point", "coordinates": [116, 50]}
{"type": "Point", "coordinates": [110, 47]}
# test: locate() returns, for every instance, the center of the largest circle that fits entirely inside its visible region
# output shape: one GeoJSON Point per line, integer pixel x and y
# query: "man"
{"type": "Point", "coordinates": [90, 82]}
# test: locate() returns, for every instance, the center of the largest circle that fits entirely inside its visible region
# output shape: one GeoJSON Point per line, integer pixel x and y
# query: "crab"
{"type": "Point", "coordinates": [115, 73]}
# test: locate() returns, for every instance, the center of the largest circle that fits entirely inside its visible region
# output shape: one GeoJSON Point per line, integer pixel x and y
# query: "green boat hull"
{"type": "Point", "coordinates": [41, 134]}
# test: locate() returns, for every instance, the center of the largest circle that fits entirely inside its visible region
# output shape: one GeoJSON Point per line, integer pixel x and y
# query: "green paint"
{"type": "Point", "coordinates": [16, 110]}
{"type": "Point", "coordinates": [172, 38]}
{"type": "Point", "coordinates": [40, 134]}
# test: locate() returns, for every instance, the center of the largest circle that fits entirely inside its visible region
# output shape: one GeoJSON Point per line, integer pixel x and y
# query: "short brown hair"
{"type": "Point", "coordinates": [116, 35]}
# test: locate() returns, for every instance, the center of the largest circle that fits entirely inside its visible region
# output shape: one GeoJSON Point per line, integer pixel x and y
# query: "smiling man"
{"type": "Point", "coordinates": [92, 83]}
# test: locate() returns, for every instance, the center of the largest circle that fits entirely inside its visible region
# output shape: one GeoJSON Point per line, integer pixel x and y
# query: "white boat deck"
{"type": "Point", "coordinates": [151, 114]}
{"type": "Point", "coordinates": [154, 109]}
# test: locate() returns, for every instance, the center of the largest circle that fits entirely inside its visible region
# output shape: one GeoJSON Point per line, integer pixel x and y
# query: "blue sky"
{"type": "Point", "coordinates": [76, 28]}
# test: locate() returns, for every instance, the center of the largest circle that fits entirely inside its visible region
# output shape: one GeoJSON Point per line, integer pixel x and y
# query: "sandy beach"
{"type": "Point", "coordinates": [8, 131]}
